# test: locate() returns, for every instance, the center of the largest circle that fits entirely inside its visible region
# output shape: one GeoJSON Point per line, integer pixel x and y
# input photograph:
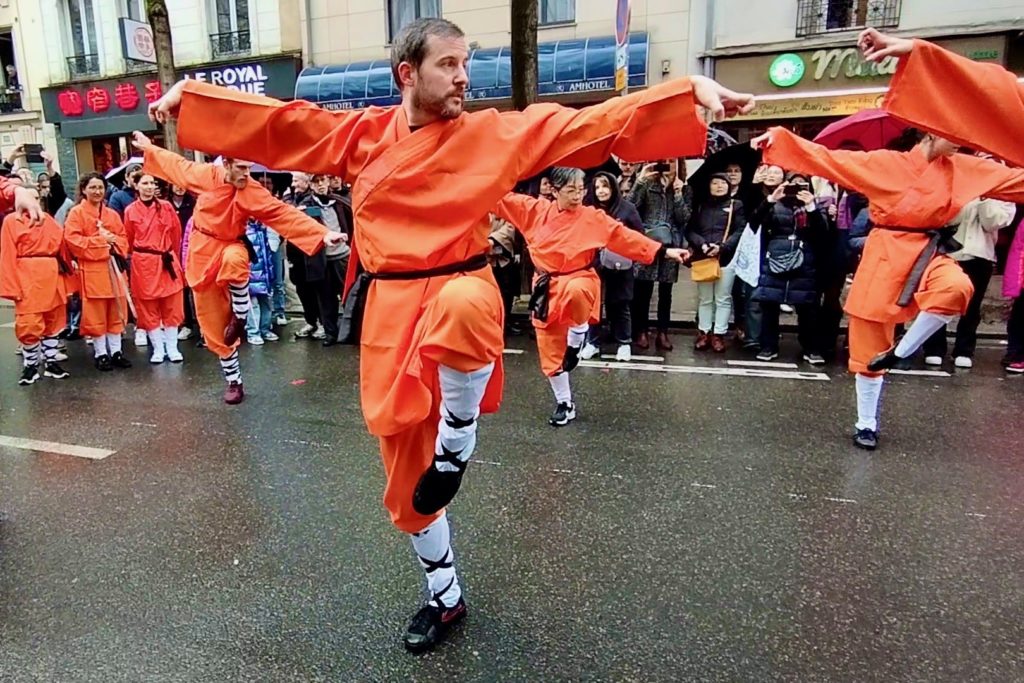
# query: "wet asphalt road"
{"type": "Point", "coordinates": [686, 527]}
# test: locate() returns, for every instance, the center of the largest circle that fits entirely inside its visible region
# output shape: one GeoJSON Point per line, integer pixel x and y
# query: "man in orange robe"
{"type": "Point", "coordinates": [95, 236]}
{"type": "Point", "coordinates": [34, 270]}
{"type": "Point", "coordinates": [425, 176]}
{"type": "Point", "coordinates": [15, 197]}
{"type": "Point", "coordinates": [218, 260]}
{"type": "Point", "coordinates": [904, 270]}
{"type": "Point", "coordinates": [951, 95]}
{"type": "Point", "coordinates": [564, 238]}
{"type": "Point", "coordinates": [154, 239]}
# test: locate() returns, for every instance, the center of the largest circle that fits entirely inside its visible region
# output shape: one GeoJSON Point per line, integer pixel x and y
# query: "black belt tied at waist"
{"type": "Point", "coordinates": [540, 298]}
{"type": "Point", "coordinates": [940, 241]}
{"type": "Point", "coordinates": [62, 266]}
{"type": "Point", "coordinates": [166, 257]}
{"type": "Point", "coordinates": [355, 302]}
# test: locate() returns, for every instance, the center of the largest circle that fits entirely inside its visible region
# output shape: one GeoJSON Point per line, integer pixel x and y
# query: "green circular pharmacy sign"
{"type": "Point", "coordinates": [787, 70]}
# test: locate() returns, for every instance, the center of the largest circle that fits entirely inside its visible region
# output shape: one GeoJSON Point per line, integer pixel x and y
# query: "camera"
{"type": "Point", "coordinates": [794, 190]}
{"type": "Point", "coordinates": [662, 167]}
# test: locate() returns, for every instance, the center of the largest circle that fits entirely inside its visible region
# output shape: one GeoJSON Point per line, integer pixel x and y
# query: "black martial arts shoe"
{"type": "Point", "coordinates": [234, 331]}
{"type": "Point", "coordinates": [55, 371]}
{"type": "Point", "coordinates": [866, 439]}
{"type": "Point", "coordinates": [571, 358]}
{"type": "Point", "coordinates": [436, 489]}
{"type": "Point", "coordinates": [103, 363]}
{"type": "Point", "coordinates": [886, 360]}
{"type": "Point", "coordinates": [431, 625]}
{"type": "Point", "coordinates": [564, 414]}
{"type": "Point", "coordinates": [29, 375]}
{"type": "Point", "coordinates": [119, 361]}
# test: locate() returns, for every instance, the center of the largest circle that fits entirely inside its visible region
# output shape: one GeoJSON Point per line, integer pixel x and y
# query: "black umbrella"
{"type": "Point", "coordinates": [718, 140]}
{"type": "Point", "coordinates": [743, 154]}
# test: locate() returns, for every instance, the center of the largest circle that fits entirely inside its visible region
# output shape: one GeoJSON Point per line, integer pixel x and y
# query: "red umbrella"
{"type": "Point", "coordinates": [870, 128]}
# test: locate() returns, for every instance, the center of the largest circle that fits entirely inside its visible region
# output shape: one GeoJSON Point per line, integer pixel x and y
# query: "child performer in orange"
{"type": "Point", "coordinates": [34, 270]}
{"type": "Point", "coordinates": [154, 238]}
{"type": "Point", "coordinates": [904, 268]}
{"type": "Point", "coordinates": [218, 261]}
{"type": "Point", "coordinates": [96, 238]}
{"type": "Point", "coordinates": [949, 95]}
{"type": "Point", "coordinates": [564, 238]}
{"type": "Point", "coordinates": [425, 177]}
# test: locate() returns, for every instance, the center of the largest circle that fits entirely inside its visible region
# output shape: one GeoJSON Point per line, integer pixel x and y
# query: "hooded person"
{"type": "Point", "coordinates": [564, 238]}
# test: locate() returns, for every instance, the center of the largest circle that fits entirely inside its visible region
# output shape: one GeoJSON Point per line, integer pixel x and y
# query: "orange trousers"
{"type": "Point", "coordinates": [31, 328]}
{"type": "Point", "coordinates": [575, 304]}
{"type": "Point", "coordinates": [213, 301]}
{"type": "Point", "coordinates": [102, 316]}
{"type": "Point", "coordinates": [167, 311]}
{"type": "Point", "coordinates": [465, 307]}
{"type": "Point", "coordinates": [945, 290]}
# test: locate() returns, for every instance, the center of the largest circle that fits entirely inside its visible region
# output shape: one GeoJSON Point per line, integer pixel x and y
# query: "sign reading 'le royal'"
{"type": "Point", "coordinates": [250, 78]}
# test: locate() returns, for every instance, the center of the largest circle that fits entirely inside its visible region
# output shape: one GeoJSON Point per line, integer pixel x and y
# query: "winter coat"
{"type": "Point", "coordinates": [980, 223]}
{"type": "Point", "coordinates": [120, 200]}
{"type": "Point", "coordinates": [708, 226]}
{"type": "Point", "coordinates": [784, 228]}
{"type": "Point", "coordinates": [187, 208]}
{"type": "Point", "coordinates": [658, 205]}
{"type": "Point", "coordinates": [261, 270]}
{"type": "Point", "coordinates": [1013, 276]}
{"type": "Point", "coordinates": [618, 284]}
{"type": "Point", "coordinates": [316, 265]}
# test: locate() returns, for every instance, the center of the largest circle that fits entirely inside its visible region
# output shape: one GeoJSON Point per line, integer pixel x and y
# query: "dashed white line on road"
{"type": "Point", "coordinates": [54, 447]}
{"type": "Point", "coordinates": [698, 370]}
{"type": "Point", "coordinates": [647, 359]}
{"type": "Point", "coordinates": [514, 352]}
{"type": "Point", "coordinates": [703, 486]}
{"type": "Point", "coordinates": [841, 500]}
{"type": "Point", "coordinates": [759, 364]}
{"type": "Point", "coordinates": [921, 373]}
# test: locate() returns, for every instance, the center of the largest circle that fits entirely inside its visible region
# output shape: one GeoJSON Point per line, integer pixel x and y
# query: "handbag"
{"type": "Point", "coordinates": [710, 269]}
{"type": "Point", "coordinates": [660, 233]}
{"type": "Point", "coordinates": [786, 262]}
{"type": "Point", "coordinates": [609, 260]}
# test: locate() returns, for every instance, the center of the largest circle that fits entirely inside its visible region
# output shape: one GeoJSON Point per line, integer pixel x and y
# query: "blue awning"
{"type": "Point", "coordinates": [565, 66]}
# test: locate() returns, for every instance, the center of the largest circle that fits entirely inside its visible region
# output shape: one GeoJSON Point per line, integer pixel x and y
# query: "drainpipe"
{"type": "Point", "coordinates": [709, 39]}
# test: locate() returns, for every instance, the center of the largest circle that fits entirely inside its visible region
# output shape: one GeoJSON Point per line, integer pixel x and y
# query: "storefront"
{"type": "Point", "coordinates": [808, 89]}
{"type": "Point", "coordinates": [95, 119]}
{"type": "Point", "coordinates": [576, 72]}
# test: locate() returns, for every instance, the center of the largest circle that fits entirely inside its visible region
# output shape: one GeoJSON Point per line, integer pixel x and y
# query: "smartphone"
{"type": "Point", "coordinates": [33, 153]}
{"type": "Point", "coordinates": [313, 211]}
{"type": "Point", "coordinates": [662, 168]}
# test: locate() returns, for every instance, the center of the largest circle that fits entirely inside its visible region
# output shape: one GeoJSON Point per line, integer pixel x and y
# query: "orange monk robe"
{"type": "Point", "coordinates": [907, 191]}
{"type": "Point", "coordinates": [30, 276]}
{"type": "Point", "coordinates": [104, 303]}
{"type": "Point", "coordinates": [568, 242]}
{"type": "Point", "coordinates": [154, 231]}
{"type": "Point", "coordinates": [7, 188]}
{"type": "Point", "coordinates": [974, 104]}
{"type": "Point", "coordinates": [216, 256]}
{"type": "Point", "coordinates": [421, 199]}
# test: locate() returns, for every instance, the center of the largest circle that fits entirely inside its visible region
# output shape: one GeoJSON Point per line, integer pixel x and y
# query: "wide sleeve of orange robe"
{"type": "Point", "coordinates": [10, 283]}
{"type": "Point", "coordinates": [974, 104]}
{"type": "Point", "coordinates": [84, 243]}
{"type": "Point", "coordinates": [194, 177]}
{"type": "Point", "coordinates": [293, 225]}
{"type": "Point", "coordinates": [7, 188]}
{"type": "Point", "coordinates": [303, 136]}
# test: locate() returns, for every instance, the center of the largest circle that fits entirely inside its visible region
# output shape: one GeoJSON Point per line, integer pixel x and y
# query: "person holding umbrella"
{"type": "Point", "coordinates": [96, 238]}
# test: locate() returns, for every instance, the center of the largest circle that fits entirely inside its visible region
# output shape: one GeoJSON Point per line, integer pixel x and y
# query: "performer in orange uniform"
{"type": "Point", "coordinates": [564, 237]}
{"type": "Point", "coordinates": [34, 270]}
{"type": "Point", "coordinates": [15, 197]}
{"type": "Point", "coordinates": [904, 268]}
{"type": "Point", "coordinates": [425, 176]}
{"type": "Point", "coordinates": [154, 238]}
{"type": "Point", "coordinates": [950, 95]}
{"type": "Point", "coordinates": [96, 238]}
{"type": "Point", "coordinates": [218, 260]}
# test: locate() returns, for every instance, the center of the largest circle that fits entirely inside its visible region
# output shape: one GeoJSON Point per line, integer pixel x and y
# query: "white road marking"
{"type": "Point", "coordinates": [841, 500]}
{"type": "Point", "coordinates": [921, 373]}
{"type": "Point", "coordinates": [648, 359]}
{"type": "Point", "coordinates": [54, 447]}
{"type": "Point", "coordinates": [514, 352]}
{"type": "Point", "coordinates": [759, 364]}
{"type": "Point", "coordinates": [976, 514]}
{"type": "Point", "coordinates": [142, 424]}
{"type": "Point", "coordinates": [697, 370]}
{"type": "Point", "coordinates": [703, 486]}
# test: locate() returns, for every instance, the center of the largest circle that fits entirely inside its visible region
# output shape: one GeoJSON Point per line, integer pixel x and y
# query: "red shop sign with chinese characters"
{"type": "Point", "coordinates": [79, 101]}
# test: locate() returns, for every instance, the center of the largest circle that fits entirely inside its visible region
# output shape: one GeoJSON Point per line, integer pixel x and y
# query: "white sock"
{"type": "Point", "coordinates": [231, 368]}
{"type": "Point", "coordinates": [114, 343]}
{"type": "Point", "coordinates": [577, 335]}
{"type": "Point", "coordinates": [240, 300]}
{"type": "Point", "coordinates": [924, 327]}
{"type": "Point", "coordinates": [869, 392]}
{"type": "Point", "coordinates": [434, 550]}
{"type": "Point", "coordinates": [156, 340]}
{"type": "Point", "coordinates": [99, 345]}
{"type": "Point", "coordinates": [560, 385]}
{"type": "Point", "coordinates": [461, 393]}
{"type": "Point", "coordinates": [171, 341]}
{"type": "Point", "coordinates": [30, 354]}
{"type": "Point", "coordinates": [50, 345]}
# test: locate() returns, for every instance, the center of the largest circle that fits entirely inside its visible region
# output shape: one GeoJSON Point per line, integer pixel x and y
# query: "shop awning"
{"type": "Point", "coordinates": [564, 67]}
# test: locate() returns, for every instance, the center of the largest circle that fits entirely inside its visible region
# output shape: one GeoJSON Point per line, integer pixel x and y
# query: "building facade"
{"type": "Point", "coordinates": [800, 56]}
{"type": "Point", "coordinates": [22, 73]}
{"type": "Point", "coordinates": [99, 65]}
{"type": "Point", "coordinates": [347, 48]}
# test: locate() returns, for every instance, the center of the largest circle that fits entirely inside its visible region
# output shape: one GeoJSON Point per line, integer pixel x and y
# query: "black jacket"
{"type": "Point", "coordinates": [187, 208]}
{"type": "Point", "coordinates": [785, 228]}
{"type": "Point", "coordinates": [708, 226]}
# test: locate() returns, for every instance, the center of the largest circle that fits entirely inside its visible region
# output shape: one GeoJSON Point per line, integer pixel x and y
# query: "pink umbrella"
{"type": "Point", "coordinates": [870, 129]}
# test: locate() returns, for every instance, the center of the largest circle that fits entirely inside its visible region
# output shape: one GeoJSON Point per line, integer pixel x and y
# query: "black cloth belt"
{"type": "Point", "coordinates": [166, 257]}
{"type": "Point", "coordinates": [940, 241]}
{"type": "Point", "coordinates": [540, 298]}
{"type": "Point", "coordinates": [355, 302]}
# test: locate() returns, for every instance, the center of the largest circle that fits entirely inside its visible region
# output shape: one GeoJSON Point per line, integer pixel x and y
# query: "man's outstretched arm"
{"type": "Point", "coordinates": [175, 169]}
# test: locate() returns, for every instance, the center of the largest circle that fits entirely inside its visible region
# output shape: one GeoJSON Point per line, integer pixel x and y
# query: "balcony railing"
{"type": "Point", "coordinates": [82, 66]}
{"type": "Point", "coordinates": [825, 16]}
{"type": "Point", "coordinates": [10, 101]}
{"type": "Point", "coordinates": [230, 44]}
